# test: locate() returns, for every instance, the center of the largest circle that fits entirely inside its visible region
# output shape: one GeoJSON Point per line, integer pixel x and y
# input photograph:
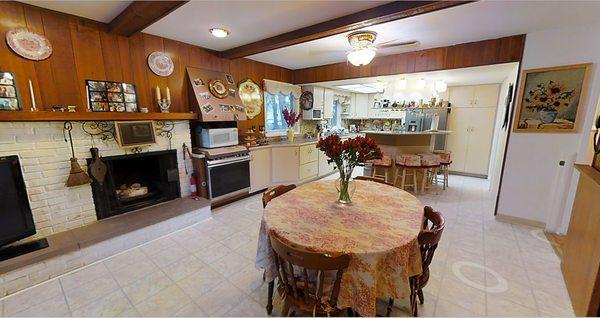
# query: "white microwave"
{"type": "Point", "coordinates": [218, 137]}
{"type": "Point", "coordinates": [312, 114]}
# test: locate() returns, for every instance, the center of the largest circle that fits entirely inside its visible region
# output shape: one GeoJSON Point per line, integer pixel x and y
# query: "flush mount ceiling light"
{"type": "Point", "coordinates": [441, 86]}
{"type": "Point", "coordinates": [363, 50]}
{"type": "Point", "coordinates": [218, 32]}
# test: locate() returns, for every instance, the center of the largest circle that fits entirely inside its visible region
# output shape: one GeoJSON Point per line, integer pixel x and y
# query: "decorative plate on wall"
{"type": "Point", "coordinates": [306, 100]}
{"type": "Point", "coordinates": [251, 96]}
{"type": "Point", "coordinates": [218, 88]}
{"type": "Point", "coordinates": [28, 44]}
{"type": "Point", "coordinates": [160, 64]}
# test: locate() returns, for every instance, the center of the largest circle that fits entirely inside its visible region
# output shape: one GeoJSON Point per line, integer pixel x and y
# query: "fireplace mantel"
{"type": "Point", "coordinates": [90, 116]}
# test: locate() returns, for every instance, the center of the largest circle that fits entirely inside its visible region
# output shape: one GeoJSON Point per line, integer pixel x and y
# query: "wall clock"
{"type": "Point", "coordinates": [29, 45]}
{"type": "Point", "coordinates": [160, 64]}
{"type": "Point", "coordinates": [218, 88]}
{"type": "Point", "coordinates": [306, 100]}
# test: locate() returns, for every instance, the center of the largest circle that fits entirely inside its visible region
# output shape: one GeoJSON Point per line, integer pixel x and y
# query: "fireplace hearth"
{"type": "Point", "coordinates": [136, 181]}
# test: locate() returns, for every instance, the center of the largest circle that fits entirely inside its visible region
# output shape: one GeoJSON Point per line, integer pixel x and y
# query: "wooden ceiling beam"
{"type": "Point", "coordinates": [140, 14]}
{"type": "Point", "coordinates": [385, 13]}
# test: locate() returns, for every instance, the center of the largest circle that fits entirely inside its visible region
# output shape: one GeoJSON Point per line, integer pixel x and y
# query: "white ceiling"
{"type": "Point", "coordinates": [489, 74]}
{"type": "Point", "coordinates": [466, 23]}
{"type": "Point", "coordinates": [248, 21]}
{"type": "Point", "coordinates": [103, 11]}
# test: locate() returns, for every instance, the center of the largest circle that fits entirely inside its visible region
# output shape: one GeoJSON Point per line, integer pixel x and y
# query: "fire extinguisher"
{"type": "Point", "coordinates": [193, 187]}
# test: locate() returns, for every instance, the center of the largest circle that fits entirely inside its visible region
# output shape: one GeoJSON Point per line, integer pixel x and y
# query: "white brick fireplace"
{"type": "Point", "coordinates": [44, 157]}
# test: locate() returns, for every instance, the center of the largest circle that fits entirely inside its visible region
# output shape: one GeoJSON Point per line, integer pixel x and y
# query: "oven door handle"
{"type": "Point", "coordinates": [227, 163]}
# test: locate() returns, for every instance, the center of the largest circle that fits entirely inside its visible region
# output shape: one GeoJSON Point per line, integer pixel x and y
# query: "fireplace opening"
{"type": "Point", "coordinates": [136, 181]}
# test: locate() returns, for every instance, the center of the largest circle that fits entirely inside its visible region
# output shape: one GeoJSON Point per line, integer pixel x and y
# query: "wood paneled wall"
{"type": "Point", "coordinates": [83, 49]}
{"type": "Point", "coordinates": [488, 52]}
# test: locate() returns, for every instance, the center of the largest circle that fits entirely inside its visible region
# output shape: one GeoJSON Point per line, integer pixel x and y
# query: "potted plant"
{"type": "Point", "coordinates": [291, 118]}
{"type": "Point", "coordinates": [547, 98]}
{"type": "Point", "coordinates": [346, 155]}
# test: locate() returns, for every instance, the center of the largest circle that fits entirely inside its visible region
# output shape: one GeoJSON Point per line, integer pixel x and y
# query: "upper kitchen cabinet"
{"type": "Point", "coordinates": [361, 106]}
{"type": "Point", "coordinates": [316, 113]}
{"type": "Point", "coordinates": [327, 103]}
{"type": "Point", "coordinates": [474, 95]}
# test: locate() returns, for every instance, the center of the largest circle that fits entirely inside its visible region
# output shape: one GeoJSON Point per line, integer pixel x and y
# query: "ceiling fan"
{"type": "Point", "coordinates": [364, 48]}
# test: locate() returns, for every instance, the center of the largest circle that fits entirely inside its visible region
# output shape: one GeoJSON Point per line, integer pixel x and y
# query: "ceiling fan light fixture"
{"type": "Point", "coordinates": [361, 57]}
{"type": "Point", "coordinates": [219, 32]}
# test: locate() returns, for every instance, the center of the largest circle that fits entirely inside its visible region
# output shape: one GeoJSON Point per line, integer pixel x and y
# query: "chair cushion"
{"type": "Point", "coordinates": [408, 160]}
{"type": "Point", "coordinates": [385, 161]}
{"type": "Point", "coordinates": [444, 155]}
{"type": "Point", "coordinates": [430, 160]}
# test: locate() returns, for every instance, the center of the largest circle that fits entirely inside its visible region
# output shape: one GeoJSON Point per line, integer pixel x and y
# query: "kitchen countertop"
{"type": "Point", "coordinates": [437, 132]}
{"type": "Point", "coordinates": [297, 142]}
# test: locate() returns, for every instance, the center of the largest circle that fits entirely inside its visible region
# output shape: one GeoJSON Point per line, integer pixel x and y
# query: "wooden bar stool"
{"type": "Point", "coordinates": [445, 162]}
{"type": "Point", "coordinates": [407, 165]}
{"type": "Point", "coordinates": [385, 163]}
{"type": "Point", "coordinates": [430, 165]}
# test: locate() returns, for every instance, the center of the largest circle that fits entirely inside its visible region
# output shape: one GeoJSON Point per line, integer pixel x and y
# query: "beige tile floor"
{"type": "Point", "coordinates": [482, 267]}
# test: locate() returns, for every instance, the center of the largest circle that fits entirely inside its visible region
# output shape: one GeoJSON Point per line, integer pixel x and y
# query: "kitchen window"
{"type": "Point", "coordinates": [280, 96]}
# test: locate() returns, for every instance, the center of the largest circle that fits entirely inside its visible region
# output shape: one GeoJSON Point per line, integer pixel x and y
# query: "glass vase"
{"type": "Point", "coordinates": [290, 134]}
{"type": "Point", "coordinates": [345, 189]}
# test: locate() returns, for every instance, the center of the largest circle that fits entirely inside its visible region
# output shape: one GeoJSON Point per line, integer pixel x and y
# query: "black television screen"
{"type": "Point", "coordinates": [16, 221]}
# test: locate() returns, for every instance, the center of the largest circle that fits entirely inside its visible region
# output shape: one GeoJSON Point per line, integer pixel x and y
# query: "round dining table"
{"type": "Point", "coordinates": [379, 231]}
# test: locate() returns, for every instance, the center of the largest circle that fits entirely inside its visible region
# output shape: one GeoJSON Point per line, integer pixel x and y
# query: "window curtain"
{"type": "Point", "coordinates": [275, 87]}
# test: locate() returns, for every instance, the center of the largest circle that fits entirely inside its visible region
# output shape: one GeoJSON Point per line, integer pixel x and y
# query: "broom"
{"type": "Point", "coordinates": [76, 176]}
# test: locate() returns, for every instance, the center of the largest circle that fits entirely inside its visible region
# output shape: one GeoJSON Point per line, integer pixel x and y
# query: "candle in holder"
{"type": "Point", "coordinates": [157, 92]}
{"type": "Point", "coordinates": [168, 94]}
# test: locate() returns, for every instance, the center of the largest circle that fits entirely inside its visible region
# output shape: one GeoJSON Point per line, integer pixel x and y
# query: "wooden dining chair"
{"type": "Point", "coordinates": [298, 291]}
{"type": "Point", "coordinates": [268, 196]}
{"type": "Point", "coordinates": [275, 192]}
{"type": "Point", "coordinates": [429, 237]}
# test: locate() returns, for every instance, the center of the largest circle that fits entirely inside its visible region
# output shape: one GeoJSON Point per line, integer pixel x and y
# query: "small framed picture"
{"type": "Point", "coordinates": [111, 96]}
{"type": "Point", "coordinates": [99, 106]}
{"type": "Point", "coordinates": [9, 97]}
{"type": "Point", "coordinates": [135, 133]}
{"type": "Point", "coordinates": [229, 79]}
{"type": "Point", "coordinates": [131, 107]}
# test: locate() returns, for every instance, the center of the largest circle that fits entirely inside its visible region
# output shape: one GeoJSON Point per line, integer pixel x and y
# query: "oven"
{"type": "Point", "coordinates": [228, 176]}
{"type": "Point", "coordinates": [217, 137]}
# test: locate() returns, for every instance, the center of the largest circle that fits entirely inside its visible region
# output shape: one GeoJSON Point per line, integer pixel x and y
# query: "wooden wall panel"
{"type": "Point", "coordinates": [487, 52]}
{"type": "Point", "coordinates": [83, 49]}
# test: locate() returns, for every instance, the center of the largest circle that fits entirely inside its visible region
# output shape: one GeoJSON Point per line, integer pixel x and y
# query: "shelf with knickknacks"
{"type": "Point", "coordinates": [163, 103]}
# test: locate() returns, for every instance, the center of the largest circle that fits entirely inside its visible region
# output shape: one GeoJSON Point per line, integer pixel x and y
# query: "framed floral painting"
{"type": "Point", "coordinates": [550, 99]}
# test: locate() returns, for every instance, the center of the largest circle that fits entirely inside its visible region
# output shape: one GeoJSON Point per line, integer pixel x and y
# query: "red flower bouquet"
{"type": "Point", "coordinates": [346, 155]}
{"type": "Point", "coordinates": [291, 118]}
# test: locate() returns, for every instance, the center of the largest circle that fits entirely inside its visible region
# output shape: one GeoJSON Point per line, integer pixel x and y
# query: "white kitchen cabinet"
{"type": "Point", "coordinates": [324, 167]}
{"type": "Point", "coordinates": [318, 101]}
{"type": "Point", "coordinates": [474, 95]}
{"type": "Point", "coordinates": [285, 164]}
{"type": "Point", "coordinates": [361, 106]}
{"type": "Point", "coordinates": [260, 169]}
{"type": "Point", "coordinates": [308, 153]}
{"type": "Point", "coordinates": [472, 128]}
{"type": "Point", "coordinates": [309, 170]}
{"type": "Point", "coordinates": [328, 103]}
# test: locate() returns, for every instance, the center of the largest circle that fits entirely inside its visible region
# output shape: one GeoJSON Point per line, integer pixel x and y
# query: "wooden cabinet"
{"type": "Point", "coordinates": [472, 121]}
{"type": "Point", "coordinates": [284, 165]}
{"type": "Point", "coordinates": [581, 257]}
{"type": "Point", "coordinates": [327, 103]}
{"type": "Point", "coordinates": [260, 169]}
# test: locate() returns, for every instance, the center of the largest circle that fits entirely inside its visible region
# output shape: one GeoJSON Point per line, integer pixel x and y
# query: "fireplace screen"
{"type": "Point", "coordinates": [136, 181]}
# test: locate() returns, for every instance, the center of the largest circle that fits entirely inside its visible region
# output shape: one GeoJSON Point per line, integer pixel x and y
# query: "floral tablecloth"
{"type": "Point", "coordinates": [379, 230]}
